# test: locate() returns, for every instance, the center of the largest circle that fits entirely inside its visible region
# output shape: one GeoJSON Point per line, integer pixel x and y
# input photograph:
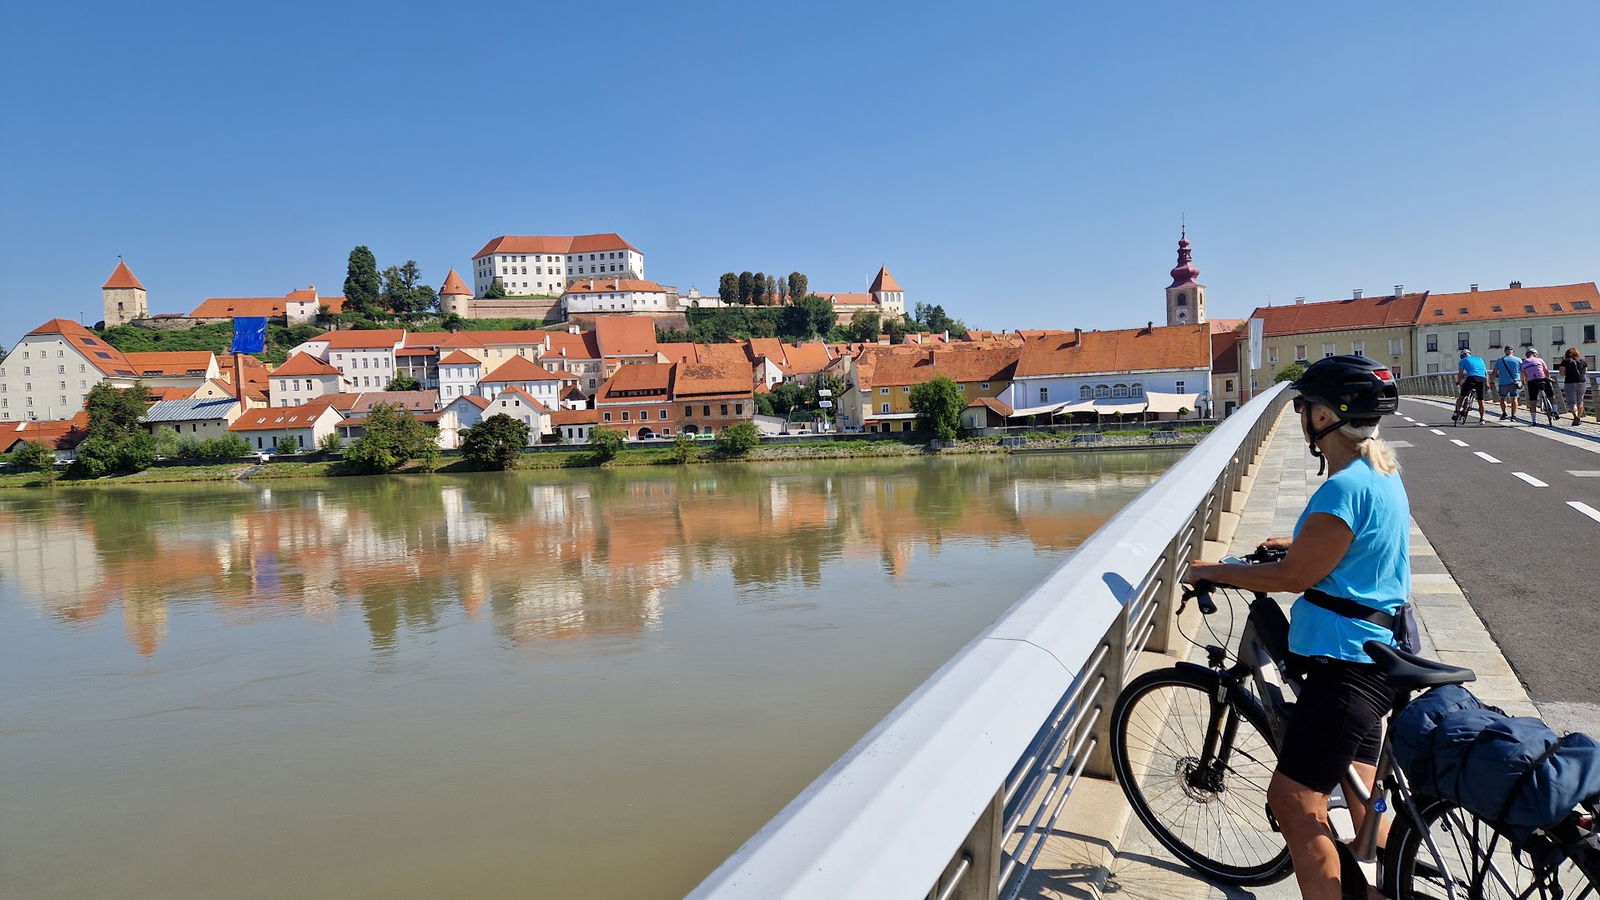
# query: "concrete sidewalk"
{"type": "Point", "coordinates": [1099, 848]}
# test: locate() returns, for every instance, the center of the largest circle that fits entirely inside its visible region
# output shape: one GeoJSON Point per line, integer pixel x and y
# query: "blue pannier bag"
{"type": "Point", "coordinates": [1506, 770]}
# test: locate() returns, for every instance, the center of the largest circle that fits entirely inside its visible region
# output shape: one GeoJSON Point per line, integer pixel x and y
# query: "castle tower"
{"type": "Point", "coordinates": [455, 297]}
{"type": "Point", "coordinates": [888, 294]}
{"type": "Point", "coordinates": [125, 298]}
{"type": "Point", "coordinates": [1186, 296]}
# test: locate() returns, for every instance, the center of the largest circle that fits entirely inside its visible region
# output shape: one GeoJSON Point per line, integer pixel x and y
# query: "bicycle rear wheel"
{"type": "Point", "coordinates": [1212, 817]}
{"type": "Point", "coordinates": [1480, 861]}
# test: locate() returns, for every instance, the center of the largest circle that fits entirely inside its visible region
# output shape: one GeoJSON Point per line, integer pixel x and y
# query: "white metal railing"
{"type": "Point", "coordinates": [951, 796]}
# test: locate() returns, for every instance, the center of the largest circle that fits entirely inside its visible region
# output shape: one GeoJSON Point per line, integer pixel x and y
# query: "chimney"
{"type": "Point", "coordinates": [1474, 289]}
{"type": "Point", "coordinates": [1300, 301]}
{"type": "Point", "coordinates": [1149, 327]}
{"type": "Point", "coordinates": [930, 357]}
{"type": "Point", "coordinates": [1516, 284]}
{"type": "Point", "coordinates": [1077, 335]}
{"type": "Point", "coordinates": [1399, 291]}
{"type": "Point", "coordinates": [1356, 294]}
{"type": "Point", "coordinates": [573, 329]}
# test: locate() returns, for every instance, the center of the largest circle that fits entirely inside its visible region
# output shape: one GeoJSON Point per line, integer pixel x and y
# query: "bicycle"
{"type": "Point", "coordinates": [1194, 747]}
{"type": "Point", "coordinates": [1542, 398]}
{"type": "Point", "coordinates": [1463, 407]}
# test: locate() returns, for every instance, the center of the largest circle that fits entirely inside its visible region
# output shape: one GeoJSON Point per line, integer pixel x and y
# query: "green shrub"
{"type": "Point", "coordinates": [605, 444]}
{"type": "Point", "coordinates": [738, 439]}
{"type": "Point", "coordinates": [495, 443]}
{"type": "Point", "coordinates": [287, 445]}
{"type": "Point", "coordinates": [228, 446]}
{"type": "Point", "coordinates": [683, 447]}
{"type": "Point", "coordinates": [394, 436]}
{"type": "Point", "coordinates": [32, 456]}
{"type": "Point", "coordinates": [330, 442]}
{"type": "Point", "coordinates": [166, 442]}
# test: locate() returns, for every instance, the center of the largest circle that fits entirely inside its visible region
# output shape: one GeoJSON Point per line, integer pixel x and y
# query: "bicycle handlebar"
{"type": "Point", "coordinates": [1200, 591]}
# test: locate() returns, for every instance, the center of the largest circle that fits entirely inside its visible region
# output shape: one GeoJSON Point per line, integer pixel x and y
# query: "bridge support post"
{"type": "Point", "coordinates": [1166, 598]}
{"type": "Point", "coordinates": [1112, 668]}
{"type": "Point", "coordinates": [975, 869]}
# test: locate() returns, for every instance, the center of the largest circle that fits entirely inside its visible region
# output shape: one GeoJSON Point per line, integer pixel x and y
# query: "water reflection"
{"type": "Point", "coordinates": [537, 556]}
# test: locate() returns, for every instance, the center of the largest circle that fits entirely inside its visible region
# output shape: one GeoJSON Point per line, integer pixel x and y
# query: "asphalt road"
{"type": "Point", "coordinates": [1497, 502]}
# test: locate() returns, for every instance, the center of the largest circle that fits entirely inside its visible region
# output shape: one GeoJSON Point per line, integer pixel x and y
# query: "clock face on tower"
{"type": "Point", "coordinates": [1183, 317]}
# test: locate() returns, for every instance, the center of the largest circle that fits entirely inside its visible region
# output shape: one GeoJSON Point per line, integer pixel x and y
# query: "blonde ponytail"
{"type": "Point", "coordinates": [1370, 447]}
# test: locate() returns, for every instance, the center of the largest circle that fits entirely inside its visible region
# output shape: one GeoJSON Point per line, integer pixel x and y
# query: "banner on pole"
{"type": "Point", "coordinates": [1257, 327]}
{"type": "Point", "coordinates": [249, 334]}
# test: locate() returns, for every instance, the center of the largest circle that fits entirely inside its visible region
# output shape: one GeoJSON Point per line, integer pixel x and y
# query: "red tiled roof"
{"type": "Point", "coordinates": [525, 397]}
{"type": "Point", "coordinates": [490, 339]}
{"type": "Point", "coordinates": [453, 285]}
{"type": "Point", "coordinates": [364, 401]}
{"type": "Point", "coordinates": [1339, 315]}
{"type": "Point", "coordinates": [121, 277]}
{"type": "Point", "coordinates": [625, 336]}
{"type": "Point", "coordinates": [63, 434]}
{"type": "Point", "coordinates": [961, 364]}
{"type": "Point", "coordinates": [519, 368]}
{"type": "Point", "coordinates": [108, 359]}
{"type": "Point", "coordinates": [677, 352]}
{"type": "Point", "coordinates": [305, 364]}
{"type": "Point", "coordinates": [276, 417]}
{"type": "Point", "coordinates": [374, 339]}
{"type": "Point", "coordinates": [994, 404]}
{"type": "Point", "coordinates": [270, 307]}
{"type": "Point", "coordinates": [575, 417]}
{"type": "Point", "coordinates": [721, 354]}
{"type": "Point", "coordinates": [565, 344]}
{"type": "Point", "coordinates": [474, 399]}
{"type": "Point", "coordinates": [612, 286]}
{"type": "Point", "coordinates": [655, 378]}
{"type": "Point", "coordinates": [850, 299]}
{"type": "Point", "coordinates": [173, 363]}
{"type": "Point", "coordinates": [1555, 300]}
{"type": "Point", "coordinates": [554, 243]}
{"type": "Point", "coordinates": [1127, 350]}
{"type": "Point", "coordinates": [459, 358]}
{"type": "Point", "coordinates": [697, 379]}
{"type": "Point", "coordinates": [884, 282]}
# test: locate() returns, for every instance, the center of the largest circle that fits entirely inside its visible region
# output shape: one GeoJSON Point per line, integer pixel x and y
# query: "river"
{"type": "Point", "coordinates": [589, 683]}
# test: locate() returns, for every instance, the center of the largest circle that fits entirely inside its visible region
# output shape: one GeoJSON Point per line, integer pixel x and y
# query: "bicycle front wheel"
{"type": "Point", "coordinates": [1478, 861]}
{"type": "Point", "coordinates": [1205, 802]}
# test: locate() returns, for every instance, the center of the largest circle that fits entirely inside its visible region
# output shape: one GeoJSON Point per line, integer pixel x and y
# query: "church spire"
{"type": "Point", "coordinates": [1185, 273]}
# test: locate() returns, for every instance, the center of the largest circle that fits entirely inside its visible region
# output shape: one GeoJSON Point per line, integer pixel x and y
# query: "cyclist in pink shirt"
{"type": "Point", "coordinates": [1536, 374]}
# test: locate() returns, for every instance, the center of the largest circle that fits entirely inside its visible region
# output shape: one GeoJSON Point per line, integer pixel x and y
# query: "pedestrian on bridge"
{"type": "Point", "coordinates": [1574, 378]}
{"type": "Point", "coordinates": [1508, 378]}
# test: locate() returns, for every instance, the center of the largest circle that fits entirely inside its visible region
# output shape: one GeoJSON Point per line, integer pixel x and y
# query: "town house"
{"type": "Point", "coordinates": [712, 396]}
{"type": "Point", "coordinates": [302, 379]}
{"type": "Point", "coordinates": [1149, 371]}
{"type": "Point", "coordinates": [48, 373]}
{"type": "Point", "coordinates": [638, 401]}
{"type": "Point", "coordinates": [266, 428]}
{"type": "Point", "coordinates": [1548, 319]}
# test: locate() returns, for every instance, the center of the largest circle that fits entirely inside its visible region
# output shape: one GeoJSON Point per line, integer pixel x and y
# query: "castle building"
{"type": "Point", "coordinates": [545, 264]}
{"type": "Point", "coordinates": [1186, 296]}
{"type": "Point", "coordinates": [125, 298]}
{"type": "Point", "coordinates": [884, 296]}
{"type": "Point", "coordinates": [454, 296]}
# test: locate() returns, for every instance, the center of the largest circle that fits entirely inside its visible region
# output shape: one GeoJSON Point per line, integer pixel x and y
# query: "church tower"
{"type": "Point", "coordinates": [125, 298]}
{"type": "Point", "coordinates": [1186, 296]}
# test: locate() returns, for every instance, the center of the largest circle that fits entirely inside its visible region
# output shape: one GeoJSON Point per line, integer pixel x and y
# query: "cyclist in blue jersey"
{"type": "Point", "coordinates": [1470, 376]}
{"type": "Point", "coordinates": [1350, 558]}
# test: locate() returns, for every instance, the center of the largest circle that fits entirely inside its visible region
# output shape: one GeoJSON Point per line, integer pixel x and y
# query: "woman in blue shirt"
{"type": "Point", "coordinates": [1352, 542]}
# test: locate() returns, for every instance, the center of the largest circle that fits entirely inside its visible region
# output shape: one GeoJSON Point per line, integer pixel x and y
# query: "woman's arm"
{"type": "Point", "coordinates": [1323, 541]}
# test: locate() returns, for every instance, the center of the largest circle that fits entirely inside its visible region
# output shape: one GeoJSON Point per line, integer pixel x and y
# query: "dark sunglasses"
{"type": "Point", "coordinates": [1299, 404]}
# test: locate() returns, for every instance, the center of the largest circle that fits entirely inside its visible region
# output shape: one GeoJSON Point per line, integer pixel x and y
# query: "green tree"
{"type": "Point", "coordinates": [496, 291]}
{"type": "Point", "coordinates": [189, 447]}
{"type": "Point", "coordinates": [228, 446]}
{"type": "Point", "coordinates": [786, 396]}
{"type": "Point", "coordinates": [330, 442]}
{"type": "Point", "coordinates": [605, 444]}
{"type": "Point", "coordinates": [865, 326]}
{"type": "Point", "coordinates": [774, 291]}
{"type": "Point", "coordinates": [728, 288]}
{"type": "Point", "coordinates": [798, 286]}
{"type": "Point", "coordinates": [938, 404]}
{"type": "Point", "coordinates": [758, 289]}
{"type": "Point", "coordinates": [683, 447]}
{"type": "Point", "coordinates": [1291, 372]}
{"type": "Point", "coordinates": [495, 443]}
{"type": "Point", "coordinates": [738, 439]}
{"type": "Point", "coordinates": [394, 437]}
{"type": "Point", "coordinates": [896, 327]}
{"type": "Point", "coordinates": [765, 406]}
{"type": "Point", "coordinates": [361, 283]}
{"type": "Point", "coordinates": [33, 456]}
{"type": "Point", "coordinates": [935, 319]}
{"type": "Point", "coordinates": [747, 287]}
{"type": "Point", "coordinates": [97, 456]}
{"type": "Point", "coordinates": [115, 413]}
{"type": "Point", "coordinates": [403, 382]}
{"type": "Point", "coordinates": [286, 445]}
{"type": "Point", "coordinates": [403, 294]}
{"type": "Point", "coordinates": [166, 442]}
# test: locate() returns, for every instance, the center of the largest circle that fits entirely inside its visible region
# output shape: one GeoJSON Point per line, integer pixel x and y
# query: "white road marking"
{"type": "Point", "coordinates": [1401, 445]}
{"type": "Point", "coordinates": [1530, 479]}
{"type": "Point", "coordinates": [1584, 473]}
{"type": "Point", "coordinates": [1484, 456]}
{"type": "Point", "coordinates": [1586, 509]}
{"type": "Point", "coordinates": [1437, 431]}
{"type": "Point", "coordinates": [1409, 419]}
{"type": "Point", "coordinates": [1458, 442]}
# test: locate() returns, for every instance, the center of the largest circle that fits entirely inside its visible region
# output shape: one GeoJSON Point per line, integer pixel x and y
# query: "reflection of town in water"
{"type": "Point", "coordinates": [537, 556]}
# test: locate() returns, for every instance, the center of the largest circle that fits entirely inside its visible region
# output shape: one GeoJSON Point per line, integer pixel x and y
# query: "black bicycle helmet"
{"type": "Point", "coordinates": [1355, 388]}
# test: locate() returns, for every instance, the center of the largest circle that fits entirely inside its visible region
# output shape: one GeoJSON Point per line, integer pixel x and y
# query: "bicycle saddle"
{"type": "Point", "coordinates": [1411, 672]}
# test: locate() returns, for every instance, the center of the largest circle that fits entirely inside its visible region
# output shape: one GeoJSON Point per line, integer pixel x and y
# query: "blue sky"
{"type": "Point", "coordinates": [1025, 165]}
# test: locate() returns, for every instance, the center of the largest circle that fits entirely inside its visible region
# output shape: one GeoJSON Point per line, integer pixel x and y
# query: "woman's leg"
{"type": "Point", "coordinates": [1302, 814]}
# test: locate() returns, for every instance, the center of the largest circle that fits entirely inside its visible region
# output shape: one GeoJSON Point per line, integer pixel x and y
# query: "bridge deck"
{"type": "Point", "coordinates": [1107, 852]}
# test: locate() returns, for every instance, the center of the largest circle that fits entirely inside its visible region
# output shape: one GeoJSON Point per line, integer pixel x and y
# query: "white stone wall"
{"type": "Point", "coordinates": [457, 380]}
{"type": "Point", "coordinates": [366, 368]}
{"type": "Point", "coordinates": [545, 392]}
{"type": "Point", "coordinates": [511, 405]}
{"type": "Point", "coordinates": [123, 305]}
{"type": "Point", "coordinates": [616, 301]}
{"type": "Point", "coordinates": [45, 378]}
{"type": "Point", "coordinates": [300, 390]}
{"type": "Point", "coordinates": [549, 273]}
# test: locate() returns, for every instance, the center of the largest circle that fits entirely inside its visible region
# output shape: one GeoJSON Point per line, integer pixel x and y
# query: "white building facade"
{"type": "Point", "coordinates": [613, 295]}
{"type": "Point", "coordinates": [48, 373]}
{"type": "Point", "coordinates": [545, 264]}
{"type": "Point", "coordinates": [1548, 319]}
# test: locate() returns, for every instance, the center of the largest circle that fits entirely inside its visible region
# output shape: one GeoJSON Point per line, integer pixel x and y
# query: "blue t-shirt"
{"type": "Point", "coordinates": [1508, 369]}
{"type": "Point", "coordinates": [1473, 365]}
{"type": "Point", "coordinates": [1375, 571]}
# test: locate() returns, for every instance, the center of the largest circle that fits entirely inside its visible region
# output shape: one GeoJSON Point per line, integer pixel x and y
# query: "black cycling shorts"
{"type": "Point", "coordinates": [1472, 385]}
{"type": "Point", "coordinates": [1338, 719]}
{"type": "Point", "coordinates": [1539, 386]}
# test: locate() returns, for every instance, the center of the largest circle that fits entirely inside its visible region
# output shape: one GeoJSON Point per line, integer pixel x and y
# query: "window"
{"type": "Point", "coordinates": [663, 412]}
{"type": "Point", "coordinates": [1433, 368]}
{"type": "Point", "coordinates": [644, 415]}
{"type": "Point", "coordinates": [1085, 392]}
{"type": "Point", "coordinates": [1494, 337]}
{"type": "Point", "coordinates": [1581, 304]}
{"type": "Point", "coordinates": [1528, 309]}
{"type": "Point", "coordinates": [985, 385]}
{"type": "Point", "coordinates": [624, 415]}
{"type": "Point", "coordinates": [1328, 350]}
{"type": "Point", "coordinates": [738, 409]}
{"type": "Point", "coordinates": [1102, 390]}
{"type": "Point", "coordinates": [705, 410]}
{"type": "Point", "coordinates": [1438, 312]}
{"type": "Point", "coordinates": [1359, 348]}
{"type": "Point", "coordinates": [1227, 385]}
{"type": "Point", "coordinates": [1433, 343]}
{"type": "Point", "coordinates": [1300, 352]}
{"type": "Point", "coordinates": [1272, 355]}
{"type": "Point", "coordinates": [688, 411]}
{"type": "Point", "coordinates": [1119, 390]}
{"type": "Point", "coordinates": [1558, 334]}
{"type": "Point", "coordinates": [606, 416]}
{"type": "Point", "coordinates": [1183, 299]}
{"type": "Point", "coordinates": [724, 409]}
{"type": "Point", "coordinates": [905, 389]}
{"type": "Point", "coordinates": [1555, 307]}
{"type": "Point", "coordinates": [1525, 337]}
{"type": "Point", "coordinates": [1044, 395]}
{"type": "Point", "coordinates": [883, 390]}
{"type": "Point", "coordinates": [1136, 389]}
{"type": "Point", "coordinates": [1396, 347]}
{"type": "Point", "coordinates": [1588, 334]}
{"type": "Point", "coordinates": [1178, 387]}
{"type": "Point", "coordinates": [1463, 340]}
